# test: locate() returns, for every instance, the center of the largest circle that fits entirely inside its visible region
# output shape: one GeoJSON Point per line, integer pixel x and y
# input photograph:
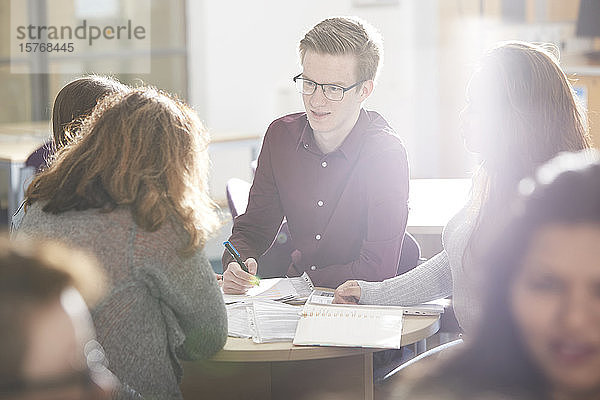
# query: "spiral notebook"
{"type": "Point", "coordinates": [350, 326]}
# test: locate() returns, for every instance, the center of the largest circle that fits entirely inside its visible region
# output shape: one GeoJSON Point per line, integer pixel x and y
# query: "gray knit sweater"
{"type": "Point", "coordinates": [159, 306]}
{"type": "Point", "coordinates": [440, 276]}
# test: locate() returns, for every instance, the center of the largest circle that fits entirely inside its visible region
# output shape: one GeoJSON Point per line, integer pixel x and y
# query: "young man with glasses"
{"type": "Point", "coordinates": [337, 173]}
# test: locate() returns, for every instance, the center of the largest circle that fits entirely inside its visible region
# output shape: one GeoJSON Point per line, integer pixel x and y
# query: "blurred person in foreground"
{"type": "Point", "coordinates": [47, 340]}
{"type": "Point", "coordinates": [539, 336]}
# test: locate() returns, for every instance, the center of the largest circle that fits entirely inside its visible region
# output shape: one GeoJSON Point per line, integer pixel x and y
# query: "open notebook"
{"type": "Point", "coordinates": [325, 324]}
{"type": "Point", "coordinates": [279, 289]}
{"type": "Point", "coordinates": [349, 325]}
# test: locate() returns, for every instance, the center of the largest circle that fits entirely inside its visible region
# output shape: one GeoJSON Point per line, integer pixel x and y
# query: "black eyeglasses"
{"type": "Point", "coordinates": [332, 92]}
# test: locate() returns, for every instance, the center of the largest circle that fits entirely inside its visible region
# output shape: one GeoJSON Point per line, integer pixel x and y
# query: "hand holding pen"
{"type": "Point", "coordinates": [240, 275]}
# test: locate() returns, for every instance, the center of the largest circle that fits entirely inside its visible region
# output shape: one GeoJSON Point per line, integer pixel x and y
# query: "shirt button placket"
{"type": "Point", "coordinates": [320, 203]}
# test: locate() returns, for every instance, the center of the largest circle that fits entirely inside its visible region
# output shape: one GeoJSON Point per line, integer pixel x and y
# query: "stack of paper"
{"type": "Point", "coordinates": [279, 289]}
{"type": "Point", "coordinates": [237, 320]}
{"type": "Point", "coordinates": [271, 321]}
{"type": "Point", "coordinates": [263, 320]}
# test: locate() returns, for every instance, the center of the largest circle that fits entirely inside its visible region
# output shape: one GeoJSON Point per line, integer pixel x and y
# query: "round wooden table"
{"type": "Point", "coordinates": [247, 370]}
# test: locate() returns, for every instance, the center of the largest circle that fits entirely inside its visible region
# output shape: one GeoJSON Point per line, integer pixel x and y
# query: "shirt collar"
{"type": "Point", "coordinates": [307, 139]}
{"type": "Point", "coordinates": [351, 145]}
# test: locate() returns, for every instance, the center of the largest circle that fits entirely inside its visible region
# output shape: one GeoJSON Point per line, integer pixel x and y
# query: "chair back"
{"type": "Point", "coordinates": [410, 255]}
{"type": "Point", "coordinates": [237, 191]}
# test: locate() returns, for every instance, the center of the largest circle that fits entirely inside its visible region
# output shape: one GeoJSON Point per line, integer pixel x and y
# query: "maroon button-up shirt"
{"type": "Point", "coordinates": [346, 210]}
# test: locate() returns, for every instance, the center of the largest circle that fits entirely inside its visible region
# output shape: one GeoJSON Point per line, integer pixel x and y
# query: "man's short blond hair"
{"type": "Point", "coordinates": [346, 35]}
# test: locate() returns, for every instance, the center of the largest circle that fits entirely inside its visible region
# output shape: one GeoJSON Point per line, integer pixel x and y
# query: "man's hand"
{"type": "Point", "coordinates": [347, 293]}
{"type": "Point", "coordinates": [238, 281]}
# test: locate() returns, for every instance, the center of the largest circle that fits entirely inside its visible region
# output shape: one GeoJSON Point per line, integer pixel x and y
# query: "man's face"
{"type": "Point", "coordinates": [326, 116]}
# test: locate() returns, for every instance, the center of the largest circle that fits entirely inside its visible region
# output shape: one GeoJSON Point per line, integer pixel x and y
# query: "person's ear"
{"type": "Point", "coordinates": [366, 89]}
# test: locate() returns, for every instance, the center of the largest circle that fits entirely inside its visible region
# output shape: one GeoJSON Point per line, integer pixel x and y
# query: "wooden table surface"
{"type": "Point", "coordinates": [414, 328]}
{"type": "Point", "coordinates": [247, 370]}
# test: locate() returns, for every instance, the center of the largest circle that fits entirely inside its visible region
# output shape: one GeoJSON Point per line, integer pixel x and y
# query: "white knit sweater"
{"type": "Point", "coordinates": [440, 276]}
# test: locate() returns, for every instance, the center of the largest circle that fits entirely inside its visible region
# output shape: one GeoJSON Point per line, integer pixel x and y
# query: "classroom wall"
{"type": "Point", "coordinates": [241, 63]}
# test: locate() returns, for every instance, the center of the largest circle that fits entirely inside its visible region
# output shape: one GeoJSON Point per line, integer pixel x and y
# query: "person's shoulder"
{"type": "Point", "coordinates": [288, 124]}
{"type": "Point", "coordinates": [164, 242]}
{"type": "Point", "coordinates": [298, 118]}
{"type": "Point", "coordinates": [38, 157]}
{"type": "Point", "coordinates": [34, 217]}
{"type": "Point", "coordinates": [33, 209]}
{"type": "Point", "coordinates": [382, 144]}
{"type": "Point", "coordinates": [83, 225]}
{"type": "Point", "coordinates": [380, 137]}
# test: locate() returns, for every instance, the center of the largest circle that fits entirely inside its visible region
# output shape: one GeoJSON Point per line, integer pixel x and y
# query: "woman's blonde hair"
{"type": "Point", "coordinates": [346, 35]}
{"type": "Point", "coordinates": [142, 149]}
{"type": "Point", "coordinates": [537, 116]}
{"type": "Point", "coordinates": [538, 112]}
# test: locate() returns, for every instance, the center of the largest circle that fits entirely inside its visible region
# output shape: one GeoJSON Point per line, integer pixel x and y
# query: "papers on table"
{"type": "Point", "coordinates": [271, 321]}
{"type": "Point", "coordinates": [350, 325]}
{"type": "Point", "coordinates": [263, 320]}
{"type": "Point", "coordinates": [237, 320]}
{"type": "Point", "coordinates": [320, 297]}
{"type": "Point", "coordinates": [320, 322]}
{"type": "Point", "coordinates": [260, 314]}
{"type": "Point", "coordinates": [279, 289]}
{"type": "Point", "coordinates": [430, 308]}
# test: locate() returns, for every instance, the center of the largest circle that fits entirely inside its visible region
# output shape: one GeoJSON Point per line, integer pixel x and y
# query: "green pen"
{"type": "Point", "coordinates": [236, 256]}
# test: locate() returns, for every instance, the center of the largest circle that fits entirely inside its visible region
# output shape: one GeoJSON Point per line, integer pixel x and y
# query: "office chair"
{"type": "Point", "coordinates": [410, 255]}
{"type": "Point", "coordinates": [429, 354]}
{"type": "Point", "coordinates": [237, 191]}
